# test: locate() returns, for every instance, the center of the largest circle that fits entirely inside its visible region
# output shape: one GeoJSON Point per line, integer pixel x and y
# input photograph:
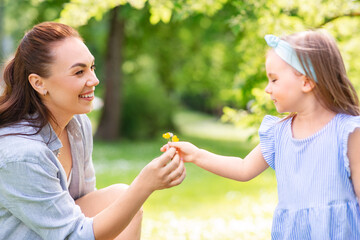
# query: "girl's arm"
{"type": "Point", "coordinates": [161, 173]}
{"type": "Point", "coordinates": [354, 160]}
{"type": "Point", "coordinates": [230, 167]}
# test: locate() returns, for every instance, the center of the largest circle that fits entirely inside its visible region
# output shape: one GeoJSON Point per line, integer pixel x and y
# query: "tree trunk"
{"type": "Point", "coordinates": [109, 127]}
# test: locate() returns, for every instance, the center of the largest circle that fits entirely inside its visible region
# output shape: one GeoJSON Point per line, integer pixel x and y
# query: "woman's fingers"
{"type": "Point", "coordinates": [173, 164]}
{"type": "Point", "coordinates": [180, 179]}
{"type": "Point", "coordinates": [175, 171]}
{"type": "Point", "coordinates": [176, 168]}
{"type": "Point", "coordinates": [169, 169]}
{"type": "Point", "coordinates": [164, 159]}
{"type": "Point", "coordinates": [164, 148]}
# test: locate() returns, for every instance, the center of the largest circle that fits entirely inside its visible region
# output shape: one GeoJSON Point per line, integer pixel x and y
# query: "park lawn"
{"type": "Point", "coordinates": [204, 206]}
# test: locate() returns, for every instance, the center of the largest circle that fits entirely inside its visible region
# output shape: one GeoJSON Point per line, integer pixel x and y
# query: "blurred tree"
{"type": "Point", "coordinates": [110, 119]}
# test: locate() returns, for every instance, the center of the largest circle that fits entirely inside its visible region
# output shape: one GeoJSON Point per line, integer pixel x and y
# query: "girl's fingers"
{"type": "Point", "coordinates": [178, 145]}
{"type": "Point", "coordinates": [175, 144]}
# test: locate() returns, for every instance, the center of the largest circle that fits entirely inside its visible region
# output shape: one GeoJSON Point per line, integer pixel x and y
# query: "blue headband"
{"type": "Point", "coordinates": [288, 54]}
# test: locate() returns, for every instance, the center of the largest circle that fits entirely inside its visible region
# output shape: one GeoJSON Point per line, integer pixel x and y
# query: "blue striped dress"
{"type": "Point", "coordinates": [315, 191]}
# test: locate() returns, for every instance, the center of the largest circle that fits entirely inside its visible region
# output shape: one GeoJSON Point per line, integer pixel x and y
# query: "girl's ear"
{"type": "Point", "coordinates": [307, 84]}
{"type": "Point", "coordinates": [37, 83]}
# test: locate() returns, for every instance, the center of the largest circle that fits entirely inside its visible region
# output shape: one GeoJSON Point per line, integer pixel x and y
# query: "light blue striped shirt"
{"type": "Point", "coordinates": [315, 191]}
{"type": "Point", "coordinates": [35, 202]}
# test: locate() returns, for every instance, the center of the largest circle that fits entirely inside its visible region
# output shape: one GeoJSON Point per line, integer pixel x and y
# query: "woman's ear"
{"type": "Point", "coordinates": [307, 84]}
{"type": "Point", "coordinates": [37, 83]}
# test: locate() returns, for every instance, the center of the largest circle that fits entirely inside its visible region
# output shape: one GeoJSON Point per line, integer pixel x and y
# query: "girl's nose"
{"type": "Point", "coordinates": [268, 89]}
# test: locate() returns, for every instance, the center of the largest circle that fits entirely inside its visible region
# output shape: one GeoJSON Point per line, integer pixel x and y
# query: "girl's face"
{"type": "Point", "coordinates": [284, 85]}
{"type": "Point", "coordinates": [72, 79]}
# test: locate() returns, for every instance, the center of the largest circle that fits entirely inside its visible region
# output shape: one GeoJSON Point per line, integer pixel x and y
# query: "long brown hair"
{"type": "Point", "coordinates": [33, 55]}
{"type": "Point", "coordinates": [332, 88]}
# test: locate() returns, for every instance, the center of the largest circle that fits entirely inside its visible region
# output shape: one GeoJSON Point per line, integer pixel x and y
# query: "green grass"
{"type": "Point", "coordinates": [204, 206]}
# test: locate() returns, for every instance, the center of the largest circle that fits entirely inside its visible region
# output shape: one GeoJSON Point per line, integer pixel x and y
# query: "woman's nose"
{"type": "Point", "coordinates": [93, 81]}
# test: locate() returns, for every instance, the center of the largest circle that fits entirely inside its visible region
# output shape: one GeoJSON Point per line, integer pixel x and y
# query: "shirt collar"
{"type": "Point", "coordinates": [50, 138]}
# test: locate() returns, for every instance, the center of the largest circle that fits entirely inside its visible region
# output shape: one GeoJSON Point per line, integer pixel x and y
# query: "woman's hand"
{"type": "Point", "coordinates": [187, 151]}
{"type": "Point", "coordinates": [164, 171]}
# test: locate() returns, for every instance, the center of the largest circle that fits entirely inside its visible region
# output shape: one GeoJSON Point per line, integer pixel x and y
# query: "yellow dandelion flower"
{"type": "Point", "coordinates": [170, 137]}
{"type": "Point", "coordinates": [175, 138]}
{"type": "Point", "coordinates": [167, 135]}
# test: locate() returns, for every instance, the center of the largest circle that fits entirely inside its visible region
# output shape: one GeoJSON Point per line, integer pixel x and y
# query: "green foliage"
{"type": "Point", "coordinates": [253, 115]}
{"type": "Point", "coordinates": [209, 54]}
{"type": "Point", "coordinates": [78, 12]}
{"type": "Point", "coordinates": [20, 15]}
{"type": "Point", "coordinates": [147, 109]}
{"type": "Point", "coordinates": [205, 65]}
{"type": "Point", "coordinates": [195, 58]}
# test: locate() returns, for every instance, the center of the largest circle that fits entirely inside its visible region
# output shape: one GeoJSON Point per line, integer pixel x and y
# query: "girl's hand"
{"type": "Point", "coordinates": [163, 172]}
{"type": "Point", "coordinates": [187, 151]}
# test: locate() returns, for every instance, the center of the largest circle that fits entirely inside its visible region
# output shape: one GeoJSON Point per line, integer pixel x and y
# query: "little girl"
{"type": "Point", "coordinates": [314, 150]}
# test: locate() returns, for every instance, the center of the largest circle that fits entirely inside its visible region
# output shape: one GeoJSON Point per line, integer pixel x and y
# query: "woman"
{"type": "Point", "coordinates": [47, 181]}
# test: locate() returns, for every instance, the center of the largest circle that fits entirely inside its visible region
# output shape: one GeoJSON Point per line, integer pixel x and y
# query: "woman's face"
{"type": "Point", "coordinates": [70, 87]}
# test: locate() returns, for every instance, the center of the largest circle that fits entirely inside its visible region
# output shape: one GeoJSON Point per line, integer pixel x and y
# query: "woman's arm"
{"type": "Point", "coordinates": [230, 167]}
{"type": "Point", "coordinates": [161, 173]}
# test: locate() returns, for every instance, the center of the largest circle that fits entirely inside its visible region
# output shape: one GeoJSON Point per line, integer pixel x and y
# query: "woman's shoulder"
{"type": "Point", "coordinates": [22, 127]}
{"type": "Point", "coordinates": [18, 148]}
{"type": "Point", "coordinates": [20, 136]}
{"type": "Point", "coordinates": [21, 142]}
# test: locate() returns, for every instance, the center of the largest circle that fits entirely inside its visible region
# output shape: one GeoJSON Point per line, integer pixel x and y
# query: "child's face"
{"type": "Point", "coordinates": [284, 84]}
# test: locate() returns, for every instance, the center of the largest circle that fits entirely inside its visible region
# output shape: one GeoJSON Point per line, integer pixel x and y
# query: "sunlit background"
{"type": "Point", "coordinates": [193, 67]}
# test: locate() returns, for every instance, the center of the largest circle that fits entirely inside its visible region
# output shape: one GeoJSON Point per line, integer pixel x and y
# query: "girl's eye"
{"type": "Point", "coordinates": [93, 67]}
{"type": "Point", "coordinates": [273, 80]}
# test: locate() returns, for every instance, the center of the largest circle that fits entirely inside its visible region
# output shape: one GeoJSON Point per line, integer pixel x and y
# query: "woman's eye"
{"type": "Point", "coordinates": [93, 67]}
{"type": "Point", "coordinates": [79, 72]}
{"type": "Point", "coordinates": [274, 80]}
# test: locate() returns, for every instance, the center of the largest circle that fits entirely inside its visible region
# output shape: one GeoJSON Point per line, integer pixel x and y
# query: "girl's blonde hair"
{"type": "Point", "coordinates": [332, 86]}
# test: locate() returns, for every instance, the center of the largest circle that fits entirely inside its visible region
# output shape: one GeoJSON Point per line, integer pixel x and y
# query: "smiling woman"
{"type": "Point", "coordinates": [47, 179]}
{"type": "Point", "coordinates": [69, 90]}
